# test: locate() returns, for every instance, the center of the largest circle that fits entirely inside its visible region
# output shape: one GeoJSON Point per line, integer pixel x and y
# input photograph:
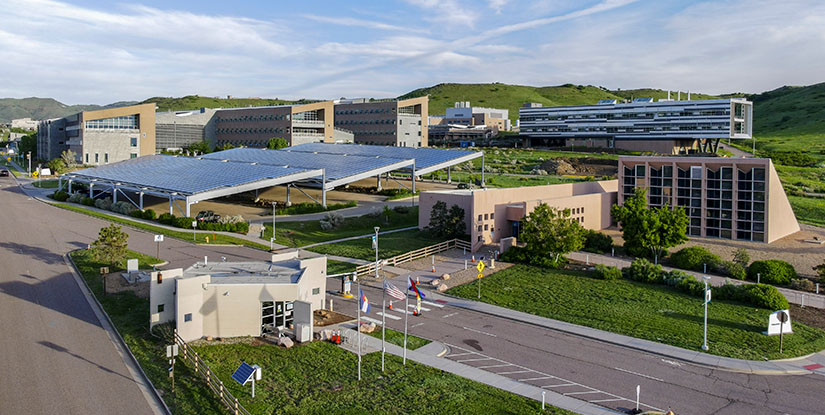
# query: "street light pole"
{"type": "Point", "coordinates": [705, 344]}
{"type": "Point", "coordinates": [273, 221]}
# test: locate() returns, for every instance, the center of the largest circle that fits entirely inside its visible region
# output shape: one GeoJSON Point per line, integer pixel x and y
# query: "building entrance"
{"type": "Point", "coordinates": [275, 315]}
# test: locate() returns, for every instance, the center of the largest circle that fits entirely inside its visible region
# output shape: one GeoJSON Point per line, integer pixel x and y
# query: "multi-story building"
{"type": "Point", "coordinates": [401, 123]}
{"type": "Point", "coordinates": [727, 198]}
{"type": "Point", "coordinates": [24, 123]}
{"type": "Point", "coordinates": [464, 114]}
{"type": "Point", "coordinates": [666, 126]}
{"type": "Point", "coordinates": [180, 129]}
{"type": "Point", "coordinates": [101, 136]}
{"type": "Point", "coordinates": [298, 124]}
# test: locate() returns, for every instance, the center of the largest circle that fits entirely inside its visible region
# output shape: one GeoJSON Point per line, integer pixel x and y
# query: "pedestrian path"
{"type": "Point", "coordinates": [794, 297]}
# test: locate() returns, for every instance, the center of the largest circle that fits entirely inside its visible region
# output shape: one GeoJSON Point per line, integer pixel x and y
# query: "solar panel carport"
{"type": "Point", "coordinates": [341, 169]}
{"type": "Point", "coordinates": [427, 160]}
{"type": "Point", "coordinates": [185, 178]}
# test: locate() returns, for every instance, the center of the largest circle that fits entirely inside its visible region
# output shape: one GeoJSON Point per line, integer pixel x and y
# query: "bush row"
{"type": "Point", "coordinates": [772, 271]}
{"type": "Point", "coordinates": [642, 270]}
{"type": "Point", "coordinates": [519, 255]}
{"type": "Point", "coordinates": [307, 207]}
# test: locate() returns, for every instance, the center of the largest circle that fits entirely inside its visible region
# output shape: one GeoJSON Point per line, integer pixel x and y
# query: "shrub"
{"type": "Point", "coordinates": [726, 292]}
{"type": "Point", "coordinates": [772, 271]}
{"type": "Point", "coordinates": [136, 214]}
{"type": "Point", "coordinates": [149, 214]}
{"type": "Point", "coordinates": [693, 258]}
{"type": "Point", "coordinates": [742, 257]}
{"type": "Point", "coordinates": [125, 208]}
{"type": "Point", "coordinates": [105, 204]}
{"type": "Point", "coordinates": [607, 272]}
{"type": "Point", "coordinates": [645, 271]}
{"type": "Point", "coordinates": [184, 222]}
{"type": "Point", "coordinates": [763, 295]}
{"type": "Point", "coordinates": [167, 219]}
{"type": "Point", "coordinates": [520, 255]}
{"type": "Point", "coordinates": [76, 197]}
{"type": "Point", "coordinates": [88, 201]}
{"type": "Point", "coordinates": [60, 196]}
{"type": "Point", "coordinates": [597, 242]}
{"type": "Point", "coordinates": [238, 227]}
{"type": "Point", "coordinates": [803, 284]}
{"type": "Point", "coordinates": [732, 269]}
{"type": "Point", "coordinates": [402, 209]}
{"type": "Point", "coordinates": [331, 220]}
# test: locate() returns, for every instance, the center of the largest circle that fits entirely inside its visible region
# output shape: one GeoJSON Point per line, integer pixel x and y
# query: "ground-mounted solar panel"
{"type": "Point", "coordinates": [183, 175]}
{"type": "Point", "coordinates": [426, 159]}
{"type": "Point", "coordinates": [244, 373]}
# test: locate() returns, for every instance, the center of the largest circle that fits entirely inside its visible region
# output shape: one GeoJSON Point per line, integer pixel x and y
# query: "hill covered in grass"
{"type": "Point", "coordinates": [193, 102]}
{"type": "Point", "coordinates": [44, 108]}
{"type": "Point", "coordinates": [790, 110]}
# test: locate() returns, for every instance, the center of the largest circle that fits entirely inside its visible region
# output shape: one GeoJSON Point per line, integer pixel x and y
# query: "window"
{"type": "Point", "coordinates": [106, 157]}
{"type": "Point", "coordinates": [160, 308]}
{"type": "Point", "coordinates": [316, 291]}
{"type": "Point", "coordinates": [97, 158]}
{"type": "Point", "coordinates": [479, 228]}
{"type": "Point", "coordinates": [492, 216]}
{"type": "Point", "coordinates": [87, 157]}
{"type": "Point", "coordinates": [187, 317]}
{"type": "Point", "coordinates": [479, 218]}
{"type": "Point", "coordinates": [133, 156]}
{"type": "Point", "coordinates": [486, 216]}
{"type": "Point", "coordinates": [133, 141]}
{"type": "Point", "coordinates": [486, 227]}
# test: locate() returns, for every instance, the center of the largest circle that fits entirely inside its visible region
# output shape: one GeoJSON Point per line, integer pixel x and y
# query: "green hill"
{"type": "Point", "coordinates": [193, 102]}
{"type": "Point", "coordinates": [790, 110]}
{"type": "Point", "coordinates": [40, 108]}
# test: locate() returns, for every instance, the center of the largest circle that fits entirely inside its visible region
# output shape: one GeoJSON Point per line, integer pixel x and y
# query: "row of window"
{"type": "Point", "coordinates": [126, 122]}
{"type": "Point", "coordinates": [627, 115]}
{"type": "Point", "coordinates": [756, 174]}
{"type": "Point", "coordinates": [366, 111]}
{"type": "Point", "coordinates": [106, 157]}
{"type": "Point", "coordinates": [252, 130]}
{"type": "Point", "coordinates": [260, 117]}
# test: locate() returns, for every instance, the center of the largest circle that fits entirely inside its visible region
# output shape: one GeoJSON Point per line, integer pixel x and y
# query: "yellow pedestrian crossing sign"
{"type": "Point", "coordinates": [480, 266]}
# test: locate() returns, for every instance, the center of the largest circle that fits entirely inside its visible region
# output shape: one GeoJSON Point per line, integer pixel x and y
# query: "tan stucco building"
{"type": "Point", "coordinates": [230, 299]}
{"type": "Point", "coordinates": [399, 123]}
{"type": "Point", "coordinates": [492, 214]}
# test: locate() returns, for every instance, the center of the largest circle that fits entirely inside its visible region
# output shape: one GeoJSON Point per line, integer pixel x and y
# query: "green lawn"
{"type": "Point", "coordinates": [216, 238]}
{"type": "Point", "coordinates": [652, 312]}
{"type": "Point", "coordinates": [130, 316]}
{"type": "Point", "coordinates": [296, 234]}
{"type": "Point", "coordinates": [389, 245]}
{"type": "Point", "coordinates": [810, 210]}
{"type": "Point", "coordinates": [46, 184]}
{"type": "Point", "coordinates": [397, 338]}
{"type": "Point", "coordinates": [339, 267]}
{"type": "Point", "coordinates": [320, 378]}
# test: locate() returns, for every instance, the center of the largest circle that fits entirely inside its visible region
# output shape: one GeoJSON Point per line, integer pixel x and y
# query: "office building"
{"type": "Point", "coordinates": [176, 130]}
{"type": "Point", "coordinates": [400, 123]}
{"type": "Point", "coordinates": [298, 124]}
{"type": "Point", "coordinates": [232, 299]}
{"type": "Point", "coordinates": [666, 126]}
{"type": "Point", "coordinates": [25, 124]}
{"type": "Point", "coordinates": [101, 136]}
{"type": "Point", "coordinates": [462, 114]}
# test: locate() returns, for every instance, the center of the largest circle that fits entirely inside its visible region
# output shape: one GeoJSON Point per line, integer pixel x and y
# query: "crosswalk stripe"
{"type": "Point", "coordinates": [422, 308]}
{"type": "Point", "coordinates": [432, 304]}
{"type": "Point", "coordinates": [371, 320]}
{"type": "Point", "coordinates": [389, 316]}
{"type": "Point", "coordinates": [397, 310]}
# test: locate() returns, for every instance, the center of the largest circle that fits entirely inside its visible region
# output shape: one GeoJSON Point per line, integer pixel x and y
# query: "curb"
{"type": "Point", "coordinates": [776, 372]}
{"type": "Point", "coordinates": [87, 292]}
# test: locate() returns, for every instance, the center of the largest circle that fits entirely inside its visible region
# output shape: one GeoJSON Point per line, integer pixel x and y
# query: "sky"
{"type": "Point", "coordinates": [99, 52]}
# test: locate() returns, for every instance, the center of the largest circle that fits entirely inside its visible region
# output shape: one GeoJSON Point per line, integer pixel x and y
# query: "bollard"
{"type": "Point", "coordinates": [330, 304]}
{"type": "Point", "coordinates": [473, 259]}
{"type": "Point", "coordinates": [542, 400]}
{"type": "Point", "coordinates": [706, 268]}
{"type": "Point", "coordinates": [587, 259]}
{"type": "Point", "coordinates": [817, 284]}
{"type": "Point", "coordinates": [758, 277]}
{"type": "Point", "coordinates": [612, 251]}
{"type": "Point", "coordinates": [465, 267]}
{"type": "Point", "coordinates": [802, 304]}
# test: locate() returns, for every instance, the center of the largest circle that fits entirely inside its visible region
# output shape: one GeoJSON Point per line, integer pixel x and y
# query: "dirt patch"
{"type": "Point", "coordinates": [809, 316]}
{"type": "Point", "coordinates": [323, 318]}
{"type": "Point", "coordinates": [581, 166]}
{"type": "Point", "coordinates": [115, 283]}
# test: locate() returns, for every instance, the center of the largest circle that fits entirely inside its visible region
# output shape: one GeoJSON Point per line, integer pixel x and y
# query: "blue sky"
{"type": "Point", "coordinates": [99, 52]}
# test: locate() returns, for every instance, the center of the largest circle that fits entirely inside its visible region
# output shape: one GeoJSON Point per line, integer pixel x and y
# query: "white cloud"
{"type": "Point", "coordinates": [448, 13]}
{"type": "Point", "coordinates": [353, 22]}
{"type": "Point", "coordinates": [497, 5]}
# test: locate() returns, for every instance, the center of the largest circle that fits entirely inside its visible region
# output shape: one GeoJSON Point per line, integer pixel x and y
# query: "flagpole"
{"type": "Point", "coordinates": [358, 329]}
{"type": "Point", "coordinates": [383, 323]}
{"type": "Point", "coordinates": [406, 316]}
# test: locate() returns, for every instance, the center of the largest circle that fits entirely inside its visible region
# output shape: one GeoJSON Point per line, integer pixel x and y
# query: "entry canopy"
{"type": "Point", "coordinates": [340, 169]}
{"type": "Point", "coordinates": [189, 178]}
{"type": "Point", "coordinates": [427, 160]}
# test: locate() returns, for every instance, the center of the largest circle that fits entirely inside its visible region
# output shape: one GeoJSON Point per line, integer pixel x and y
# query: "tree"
{"type": "Point", "coordinates": [28, 143]}
{"type": "Point", "coordinates": [276, 143]}
{"type": "Point", "coordinates": [550, 232]}
{"type": "Point", "coordinates": [741, 257]}
{"type": "Point", "coordinates": [646, 231]}
{"type": "Point", "coordinates": [201, 147]}
{"type": "Point", "coordinates": [110, 245]}
{"type": "Point", "coordinates": [438, 218]}
{"type": "Point", "coordinates": [58, 166]}
{"type": "Point", "coordinates": [69, 158]}
{"type": "Point", "coordinates": [447, 223]}
{"type": "Point", "coordinates": [820, 271]}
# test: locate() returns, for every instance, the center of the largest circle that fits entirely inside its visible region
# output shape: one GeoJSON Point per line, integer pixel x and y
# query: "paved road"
{"type": "Point", "coordinates": [54, 355]}
{"type": "Point", "coordinates": [599, 372]}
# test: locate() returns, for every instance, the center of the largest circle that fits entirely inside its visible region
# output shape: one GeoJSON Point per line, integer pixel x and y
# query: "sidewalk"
{"type": "Point", "coordinates": [428, 356]}
{"type": "Point", "coordinates": [794, 297]}
{"type": "Point", "coordinates": [814, 363]}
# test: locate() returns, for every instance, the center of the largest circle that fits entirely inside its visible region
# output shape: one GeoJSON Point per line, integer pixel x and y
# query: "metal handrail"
{"type": "Point", "coordinates": [369, 269]}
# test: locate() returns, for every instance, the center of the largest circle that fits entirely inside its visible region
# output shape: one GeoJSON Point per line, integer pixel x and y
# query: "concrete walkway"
{"type": "Point", "coordinates": [794, 297]}
{"type": "Point", "coordinates": [428, 356]}
{"type": "Point", "coordinates": [814, 363]}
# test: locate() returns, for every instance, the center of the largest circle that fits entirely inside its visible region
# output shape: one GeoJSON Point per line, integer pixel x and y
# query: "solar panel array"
{"type": "Point", "coordinates": [424, 157]}
{"type": "Point", "coordinates": [337, 166]}
{"type": "Point", "coordinates": [184, 175]}
{"type": "Point", "coordinates": [243, 373]}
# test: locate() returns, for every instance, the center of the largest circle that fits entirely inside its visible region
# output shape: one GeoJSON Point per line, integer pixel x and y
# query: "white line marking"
{"type": "Point", "coordinates": [448, 315]}
{"type": "Point", "coordinates": [389, 316]}
{"type": "Point", "coordinates": [638, 374]}
{"type": "Point", "coordinates": [538, 378]}
{"type": "Point", "coordinates": [459, 354]}
{"type": "Point", "coordinates": [487, 367]}
{"type": "Point", "coordinates": [413, 306]}
{"type": "Point", "coordinates": [671, 362]}
{"type": "Point", "coordinates": [416, 325]}
{"type": "Point", "coordinates": [480, 332]}
{"type": "Point", "coordinates": [372, 320]}
{"type": "Point", "coordinates": [515, 371]}
{"type": "Point", "coordinates": [402, 311]}
{"type": "Point", "coordinates": [607, 400]}
{"type": "Point", "coordinates": [581, 393]}
{"type": "Point", "coordinates": [560, 385]}
{"type": "Point", "coordinates": [472, 360]}
{"type": "Point", "coordinates": [432, 304]}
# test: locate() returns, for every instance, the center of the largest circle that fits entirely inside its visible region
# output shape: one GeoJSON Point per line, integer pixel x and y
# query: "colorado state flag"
{"type": "Point", "coordinates": [365, 304]}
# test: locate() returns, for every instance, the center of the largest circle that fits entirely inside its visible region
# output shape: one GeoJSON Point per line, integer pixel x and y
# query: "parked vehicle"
{"type": "Point", "coordinates": [207, 216]}
{"type": "Point", "coordinates": [4, 172]}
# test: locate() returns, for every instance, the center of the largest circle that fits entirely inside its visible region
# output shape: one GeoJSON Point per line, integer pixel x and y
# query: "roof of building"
{"type": "Point", "coordinates": [261, 272]}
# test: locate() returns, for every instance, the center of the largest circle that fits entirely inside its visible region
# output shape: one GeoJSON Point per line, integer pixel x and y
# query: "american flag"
{"type": "Point", "coordinates": [393, 291]}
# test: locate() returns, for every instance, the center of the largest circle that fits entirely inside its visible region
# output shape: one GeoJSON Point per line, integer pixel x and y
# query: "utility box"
{"type": "Point", "coordinates": [303, 332]}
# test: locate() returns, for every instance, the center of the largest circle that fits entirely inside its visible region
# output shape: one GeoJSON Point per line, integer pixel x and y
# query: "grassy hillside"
{"type": "Point", "coordinates": [790, 110]}
{"type": "Point", "coordinates": [192, 102]}
{"type": "Point", "coordinates": [40, 108]}
{"type": "Point", "coordinates": [658, 94]}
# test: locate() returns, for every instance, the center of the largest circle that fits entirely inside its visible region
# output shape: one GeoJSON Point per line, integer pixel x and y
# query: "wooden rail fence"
{"type": "Point", "coordinates": [369, 269]}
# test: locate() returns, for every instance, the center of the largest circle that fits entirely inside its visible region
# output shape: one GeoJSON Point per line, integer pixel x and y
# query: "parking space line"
{"type": "Point", "coordinates": [389, 316]}
{"type": "Point", "coordinates": [582, 393]}
{"type": "Point", "coordinates": [513, 372]}
{"type": "Point", "coordinates": [606, 400]}
{"type": "Point", "coordinates": [501, 365]}
{"type": "Point", "coordinates": [458, 354]}
{"type": "Point", "coordinates": [538, 378]}
{"type": "Point", "coordinates": [560, 385]}
{"type": "Point", "coordinates": [472, 360]}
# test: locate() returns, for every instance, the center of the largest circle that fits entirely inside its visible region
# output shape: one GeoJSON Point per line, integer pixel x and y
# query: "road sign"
{"type": "Point", "coordinates": [707, 295]}
{"type": "Point", "coordinates": [158, 238]}
{"type": "Point", "coordinates": [480, 266]}
{"type": "Point", "coordinates": [172, 350]}
{"type": "Point", "coordinates": [374, 242]}
{"type": "Point", "coordinates": [480, 275]}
